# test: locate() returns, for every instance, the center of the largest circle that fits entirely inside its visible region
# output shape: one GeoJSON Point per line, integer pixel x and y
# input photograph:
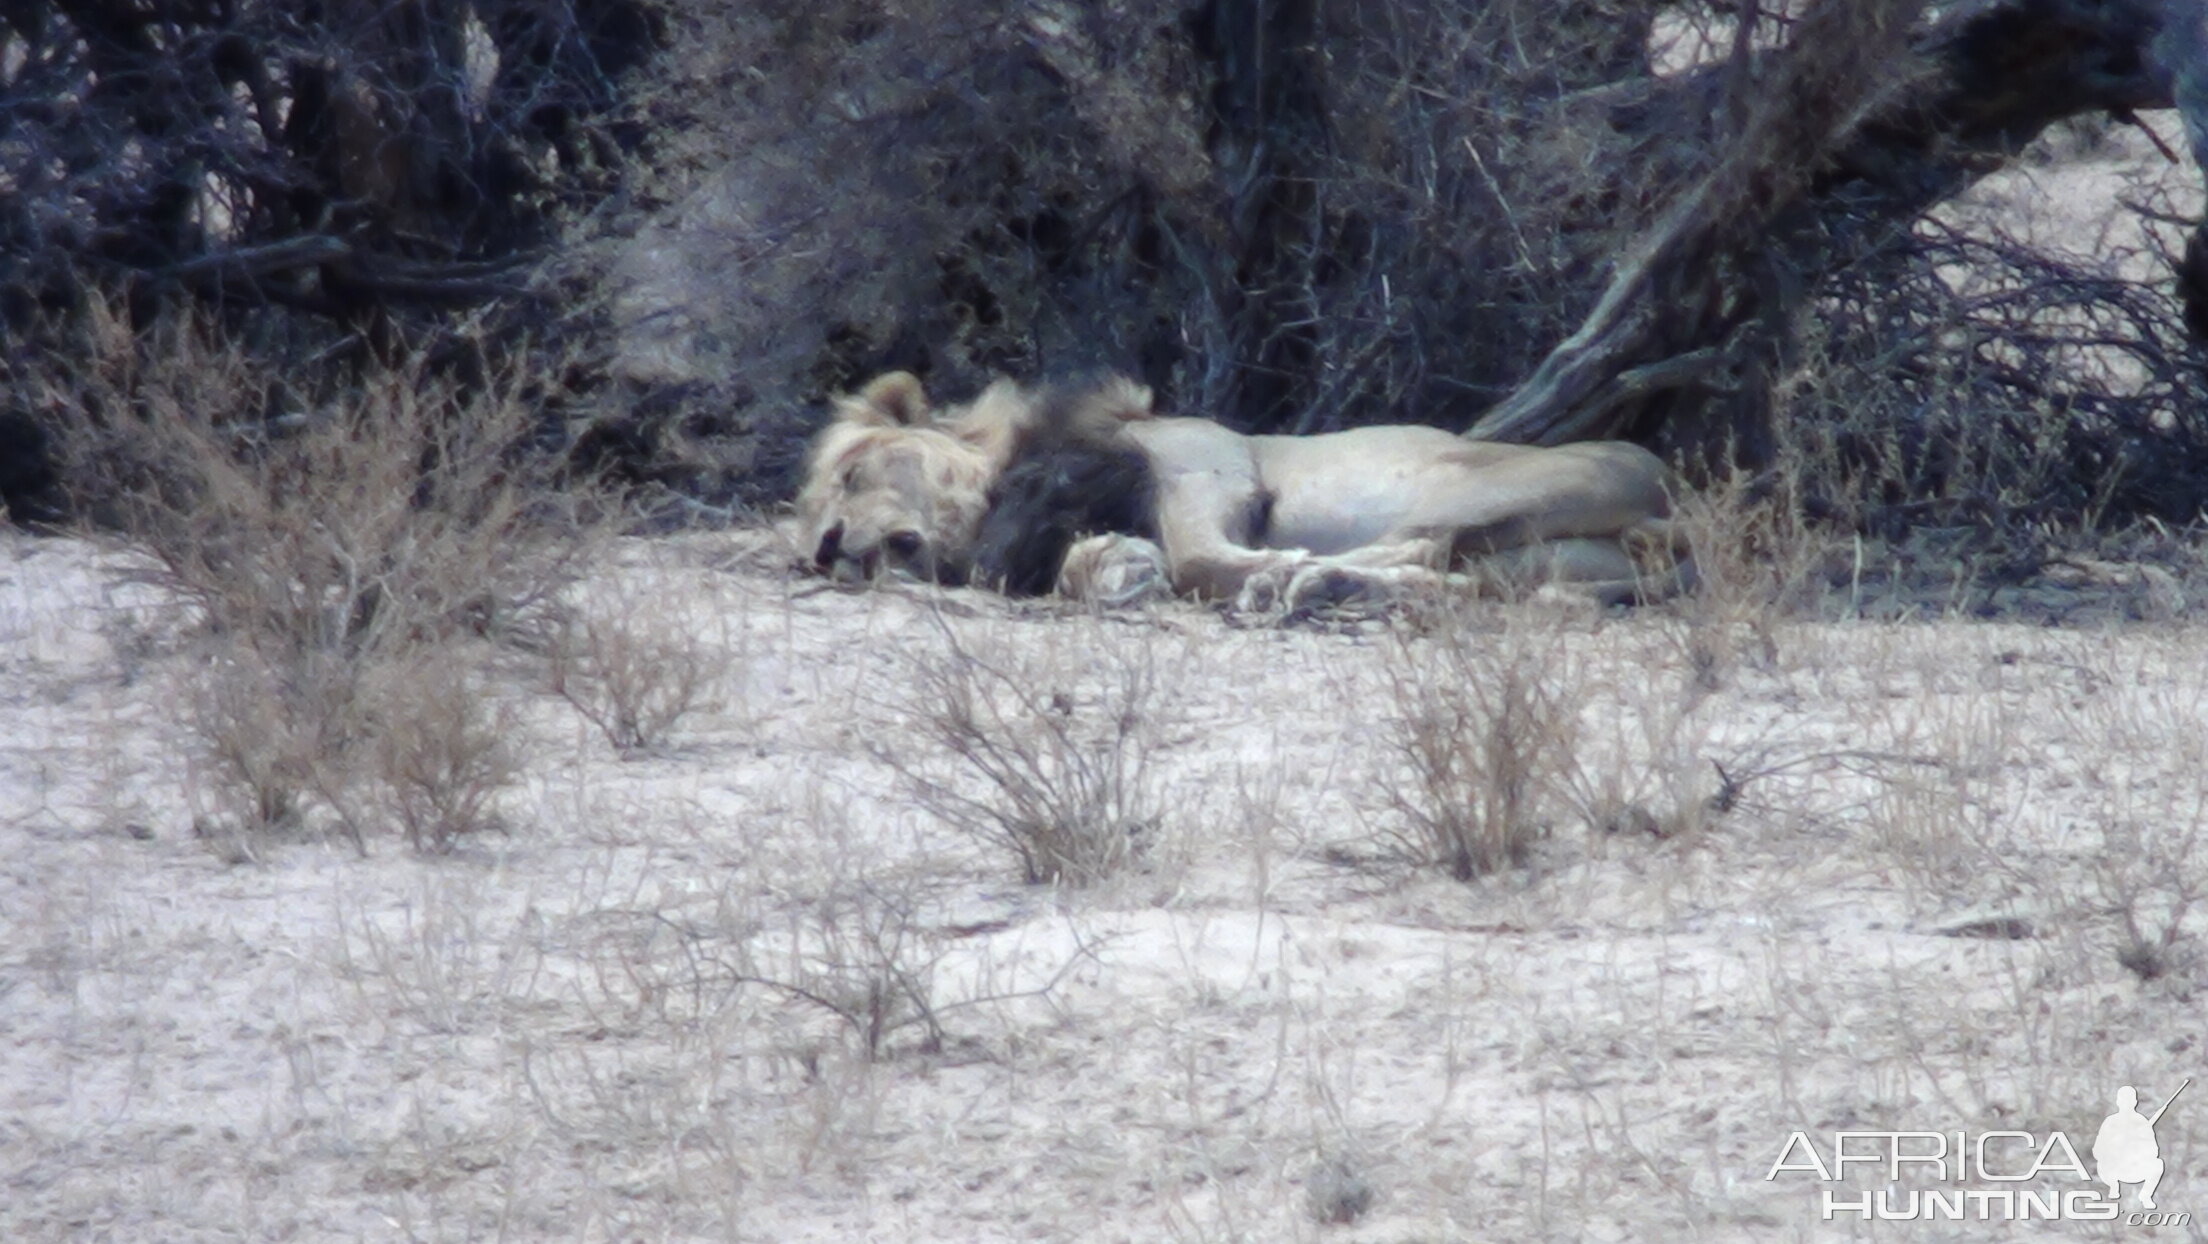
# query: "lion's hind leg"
{"type": "Point", "coordinates": [1610, 570]}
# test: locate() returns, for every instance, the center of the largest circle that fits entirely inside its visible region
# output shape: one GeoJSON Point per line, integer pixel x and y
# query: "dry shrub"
{"type": "Point", "coordinates": [2147, 884]}
{"type": "Point", "coordinates": [337, 558]}
{"type": "Point", "coordinates": [635, 659]}
{"type": "Point", "coordinates": [880, 959]}
{"type": "Point", "coordinates": [410, 739]}
{"type": "Point", "coordinates": [864, 956]}
{"type": "Point", "coordinates": [393, 514]}
{"type": "Point", "coordinates": [442, 750]}
{"type": "Point", "coordinates": [2153, 880]}
{"type": "Point", "coordinates": [1047, 761]}
{"type": "Point", "coordinates": [1758, 560]}
{"type": "Point", "coordinates": [1975, 398]}
{"type": "Point", "coordinates": [265, 737]}
{"type": "Point", "coordinates": [842, 949]}
{"type": "Point", "coordinates": [1488, 733]}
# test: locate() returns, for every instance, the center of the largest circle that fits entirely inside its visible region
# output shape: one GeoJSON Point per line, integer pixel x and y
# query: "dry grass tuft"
{"type": "Point", "coordinates": [1760, 561]}
{"type": "Point", "coordinates": [863, 956]}
{"type": "Point", "coordinates": [1044, 763]}
{"type": "Point", "coordinates": [442, 750]}
{"type": "Point", "coordinates": [639, 661]}
{"type": "Point", "coordinates": [1488, 732]}
{"type": "Point", "coordinates": [1504, 729]}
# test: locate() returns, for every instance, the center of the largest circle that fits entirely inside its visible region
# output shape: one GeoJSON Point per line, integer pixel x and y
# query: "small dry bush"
{"type": "Point", "coordinates": [264, 737]}
{"type": "Point", "coordinates": [1508, 724]}
{"type": "Point", "coordinates": [637, 658]}
{"type": "Point", "coordinates": [882, 960]}
{"type": "Point", "coordinates": [1487, 730]}
{"type": "Point", "coordinates": [1047, 761]}
{"type": "Point", "coordinates": [331, 554]}
{"type": "Point", "coordinates": [442, 749]}
{"type": "Point", "coordinates": [1759, 560]}
{"type": "Point", "coordinates": [2153, 883]}
{"type": "Point", "coordinates": [844, 946]}
{"type": "Point", "coordinates": [410, 739]}
{"type": "Point", "coordinates": [863, 955]}
{"type": "Point", "coordinates": [2147, 885]}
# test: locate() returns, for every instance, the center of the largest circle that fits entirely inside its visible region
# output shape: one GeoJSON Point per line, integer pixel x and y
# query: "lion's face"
{"type": "Point", "coordinates": [895, 501]}
{"type": "Point", "coordinates": [893, 490]}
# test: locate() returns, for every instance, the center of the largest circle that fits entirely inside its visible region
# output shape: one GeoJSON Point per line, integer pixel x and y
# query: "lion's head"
{"type": "Point", "coordinates": [895, 487]}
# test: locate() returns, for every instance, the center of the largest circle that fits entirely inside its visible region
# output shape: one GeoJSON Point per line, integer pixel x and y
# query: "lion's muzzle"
{"type": "Point", "coordinates": [831, 544]}
{"type": "Point", "coordinates": [841, 561]}
{"type": "Point", "coordinates": [902, 553]}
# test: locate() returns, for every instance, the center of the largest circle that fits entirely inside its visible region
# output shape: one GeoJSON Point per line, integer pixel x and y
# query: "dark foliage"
{"type": "Point", "coordinates": [339, 185]}
{"type": "Point", "coordinates": [30, 485]}
{"type": "Point", "coordinates": [1299, 217]}
{"type": "Point", "coordinates": [2037, 394]}
{"type": "Point", "coordinates": [1293, 217]}
{"type": "Point", "coordinates": [339, 160]}
{"type": "Point", "coordinates": [1548, 219]}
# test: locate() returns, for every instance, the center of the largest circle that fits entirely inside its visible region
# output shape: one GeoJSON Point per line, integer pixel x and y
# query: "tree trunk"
{"type": "Point", "coordinates": [1269, 120]}
{"type": "Point", "coordinates": [2182, 49]}
{"type": "Point", "coordinates": [1838, 153]}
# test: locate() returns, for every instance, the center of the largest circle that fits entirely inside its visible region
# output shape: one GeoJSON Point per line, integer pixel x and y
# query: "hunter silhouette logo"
{"type": "Point", "coordinates": [2124, 1152]}
{"type": "Point", "coordinates": [1991, 1176]}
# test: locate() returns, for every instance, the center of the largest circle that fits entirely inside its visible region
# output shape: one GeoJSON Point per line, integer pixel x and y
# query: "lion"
{"type": "Point", "coordinates": [1090, 492]}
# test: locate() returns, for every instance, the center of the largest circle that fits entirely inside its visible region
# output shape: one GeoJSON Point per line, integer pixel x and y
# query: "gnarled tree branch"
{"type": "Point", "coordinates": [1838, 154]}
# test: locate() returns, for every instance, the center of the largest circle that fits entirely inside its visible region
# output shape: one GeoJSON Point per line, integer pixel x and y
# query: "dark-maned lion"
{"type": "Point", "coordinates": [1090, 492]}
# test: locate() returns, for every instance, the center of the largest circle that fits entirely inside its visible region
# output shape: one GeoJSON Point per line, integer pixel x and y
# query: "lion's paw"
{"type": "Point", "coordinates": [1265, 592]}
{"type": "Point", "coordinates": [1115, 571]}
{"type": "Point", "coordinates": [1325, 589]}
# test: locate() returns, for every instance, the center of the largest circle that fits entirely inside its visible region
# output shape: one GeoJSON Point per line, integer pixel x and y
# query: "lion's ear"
{"type": "Point", "coordinates": [893, 400]}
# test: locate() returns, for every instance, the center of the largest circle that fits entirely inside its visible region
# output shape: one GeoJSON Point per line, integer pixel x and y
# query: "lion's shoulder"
{"type": "Point", "coordinates": [1077, 473]}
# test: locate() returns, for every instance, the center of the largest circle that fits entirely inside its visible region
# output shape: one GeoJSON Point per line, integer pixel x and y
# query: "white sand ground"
{"type": "Point", "coordinates": [590, 1029]}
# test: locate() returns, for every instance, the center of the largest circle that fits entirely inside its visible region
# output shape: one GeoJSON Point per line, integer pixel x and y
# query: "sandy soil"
{"type": "Point", "coordinates": [620, 1020]}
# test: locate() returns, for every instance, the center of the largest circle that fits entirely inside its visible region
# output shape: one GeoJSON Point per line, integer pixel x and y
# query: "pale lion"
{"type": "Point", "coordinates": [1092, 493]}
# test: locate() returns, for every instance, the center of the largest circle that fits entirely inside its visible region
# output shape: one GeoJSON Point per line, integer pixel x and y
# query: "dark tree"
{"type": "Point", "coordinates": [329, 178]}
{"type": "Point", "coordinates": [1537, 220]}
